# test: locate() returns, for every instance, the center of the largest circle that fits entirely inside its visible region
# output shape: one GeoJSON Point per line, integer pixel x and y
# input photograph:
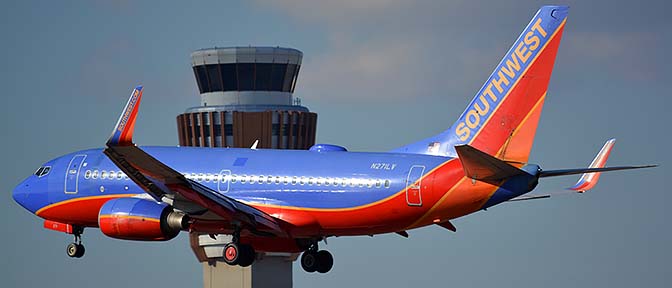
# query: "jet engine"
{"type": "Point", "coordinates": [140, 219]}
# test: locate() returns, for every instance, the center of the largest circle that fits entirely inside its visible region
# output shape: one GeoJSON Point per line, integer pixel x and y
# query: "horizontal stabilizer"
{"type": "Point", "coordinates": [563, 172]}
{"type": "Point", "coordinates": [482, 166]}
{"type": "Point", "coordinates": [529, 197]}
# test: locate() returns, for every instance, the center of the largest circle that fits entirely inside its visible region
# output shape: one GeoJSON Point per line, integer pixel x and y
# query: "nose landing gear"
{"type": "Point", "coordinates": [76, 249]}
{"type": "Point", "coordinates": [313, 260]}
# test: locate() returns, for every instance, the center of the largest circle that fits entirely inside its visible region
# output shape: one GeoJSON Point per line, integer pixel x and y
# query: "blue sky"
{"type": "Point", "coordinates": [381, 74]}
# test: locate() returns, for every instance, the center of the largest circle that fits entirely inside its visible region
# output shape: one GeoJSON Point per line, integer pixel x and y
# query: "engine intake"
{"type": "Point", "coordinates": [140, 219]}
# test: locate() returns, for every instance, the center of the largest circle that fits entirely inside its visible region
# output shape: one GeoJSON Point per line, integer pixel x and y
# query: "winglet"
{"type": "Point", "coordinates": [122, 135]}
{"type": "Point", "coordinates": [589, 180]}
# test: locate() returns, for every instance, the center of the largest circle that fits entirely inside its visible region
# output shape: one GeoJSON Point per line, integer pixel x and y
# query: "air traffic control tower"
{"type": "Point", "coordinates": [247, 94]}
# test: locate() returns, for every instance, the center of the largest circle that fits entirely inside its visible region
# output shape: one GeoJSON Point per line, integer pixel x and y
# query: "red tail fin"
{"type": "Point", "coordinates": [502, 119]}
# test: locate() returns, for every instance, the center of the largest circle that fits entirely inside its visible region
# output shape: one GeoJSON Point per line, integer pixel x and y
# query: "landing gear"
{"type": "Point", "coordinates": [313, 260]}
{"type": "Point", "coordinates": [76, 249]}
{"type": "Point", "coordinates": [236, 253]}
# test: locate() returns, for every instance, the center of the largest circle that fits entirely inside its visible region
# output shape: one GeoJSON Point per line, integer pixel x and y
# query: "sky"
{"type": "Point", "coordinates": [380, 74]}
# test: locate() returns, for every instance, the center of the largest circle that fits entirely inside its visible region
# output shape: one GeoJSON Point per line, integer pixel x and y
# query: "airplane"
{"type": "Point", "coordinates": [291, 200]}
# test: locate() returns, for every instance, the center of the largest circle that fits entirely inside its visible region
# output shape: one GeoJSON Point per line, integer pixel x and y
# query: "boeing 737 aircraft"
{"type": "Point", "coordinates": [289, 201]}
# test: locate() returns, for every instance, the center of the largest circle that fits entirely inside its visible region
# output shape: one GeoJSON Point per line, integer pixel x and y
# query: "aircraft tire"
{"type": "Point", "coordinates": [71, 250]}
{"type": "Point", "coordinates": [247, 255]}
{"type": "Point", "coordinates": [324, 261]}
{"type": "Point", "coordinates": [232, 254]}
{"type": "Point", "coordinates": [75, 250]}
{"type": "Point", "coordinates": [80, 250]}
{"type": "Point", "coordinates": [309, 261]}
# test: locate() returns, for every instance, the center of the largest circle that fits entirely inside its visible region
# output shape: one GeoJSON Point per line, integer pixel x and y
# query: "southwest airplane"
{"type": "Point", "coordinates": [289, 201]}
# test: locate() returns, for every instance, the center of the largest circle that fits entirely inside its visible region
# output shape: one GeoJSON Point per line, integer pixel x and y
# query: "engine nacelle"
{"type": "Point", "coordinates": [140, 219]}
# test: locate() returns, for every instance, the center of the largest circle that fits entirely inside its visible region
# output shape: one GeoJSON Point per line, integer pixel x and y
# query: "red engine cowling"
{"type": "Point", "coordinates": [140, 219]}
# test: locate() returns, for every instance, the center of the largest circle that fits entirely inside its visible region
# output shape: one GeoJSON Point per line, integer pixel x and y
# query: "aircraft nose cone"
{"type": "Point", "coordinates": [28, 197]}
{"type": "Point", "coordinates": [20, 194]}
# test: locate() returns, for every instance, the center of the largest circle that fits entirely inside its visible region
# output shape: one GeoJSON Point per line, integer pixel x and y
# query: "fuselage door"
{"type": "Point", "coordinates": [224, 182]}
{"type": "Point", "coordinates": [414, 185]}
{"type": "Point", "coordinates": [72, 174]}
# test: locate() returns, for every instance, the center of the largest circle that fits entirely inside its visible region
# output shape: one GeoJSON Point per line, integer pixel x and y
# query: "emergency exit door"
{"type": "Point", "coordinates": [414, 185]}
{"type": "Point", "coordinates": [72, 174]}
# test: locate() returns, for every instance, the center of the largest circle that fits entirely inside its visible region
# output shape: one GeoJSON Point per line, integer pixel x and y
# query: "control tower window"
{"type": "Point", "coordinates": [202, 79]}
{"type": "Point", "coordinates": [213, 76]}
{"type": "Point", "coordinates": [278, 76]}
{"type": "Point", "coordinates": [245, 76]}
{"type": "Point", "coordinates": [263, 76]}
{"type": "Point", "coordinates": [229, 77]}
{"type": "Point", "coordinates": [289, 76]}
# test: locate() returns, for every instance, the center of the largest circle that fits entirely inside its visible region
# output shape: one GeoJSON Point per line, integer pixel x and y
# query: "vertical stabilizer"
{"type": "Point", "coordinates": [502, 119]}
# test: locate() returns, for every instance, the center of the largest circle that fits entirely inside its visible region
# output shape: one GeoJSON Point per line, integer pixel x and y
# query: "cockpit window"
{"type": "Point", "coordinates": [42, 171]}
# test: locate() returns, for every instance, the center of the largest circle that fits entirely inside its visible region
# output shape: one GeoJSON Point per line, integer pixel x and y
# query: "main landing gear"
{"type": "Point", "coordinates": [76, 249]}
{"type": "Point", "coordinates": [313, 260]}
{"type": "Point", "coordinates": [236, 253]}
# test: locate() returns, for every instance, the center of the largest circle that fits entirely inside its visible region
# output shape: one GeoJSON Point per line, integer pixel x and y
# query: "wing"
{"type": "Point", "coordinates": [167, 185]}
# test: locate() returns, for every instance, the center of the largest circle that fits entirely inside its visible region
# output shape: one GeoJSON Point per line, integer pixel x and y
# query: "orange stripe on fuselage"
{"type": "Point", "coordinates": [81, 211]}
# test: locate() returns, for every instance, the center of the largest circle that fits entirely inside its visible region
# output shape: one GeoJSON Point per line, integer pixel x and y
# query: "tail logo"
{"type": "Point", "coordinates": [129, 110]}
{"type": "Point", "coordinates": [507, 73]}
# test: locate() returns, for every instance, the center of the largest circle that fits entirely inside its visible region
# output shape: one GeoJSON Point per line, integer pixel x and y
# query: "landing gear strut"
{"type": "Point", "coordinates": [313, 260]}
{"type": "Point", "coordinates": [236, 253]}
{"type": "Point", "coordinates": [76, 249]}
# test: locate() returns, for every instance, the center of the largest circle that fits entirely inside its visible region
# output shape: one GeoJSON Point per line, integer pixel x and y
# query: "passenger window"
{"type": "Point", "coordinates": [113, 175]}
{"type": "Point", "coordinates": [294, 180]}
{"type": "Point", "coordinates": [87, 174]}
{"type": "Point", "coordinates": [277, 180]}
{"type": "Point", "coordinates": [200, 177]}
{"type": "Point", "coordinates": [262, 178]}
{"type": "Point", "coordinates": [344, 182]}
{"type": "Point", "coordinates": [302, 180]}
{"type": "Point", "coordinates": [234, 178]}
{"type": "Point", "coordinates": [387, 183]}
{"type": "Point", "coordinates": [378, 183]}
{"type": "Point", "coordinates": [310, 181]}
{"type": "Point", "coordinates": [103, 174]}
{"type": "Point", "coordinates": [120, 175]}
{"type": "Point", "coordinates": [320, 180]}
{"type": "Point", "coordinates": [253, 179]}
{"type": "Point", "coordinates": [95, 174]}
{"type": "Point", "coordinates": [327, 181]}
